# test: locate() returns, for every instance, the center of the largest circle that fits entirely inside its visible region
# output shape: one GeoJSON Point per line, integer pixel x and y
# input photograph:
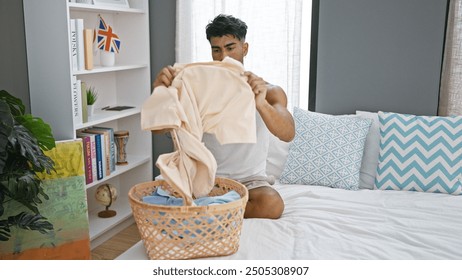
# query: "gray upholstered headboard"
{"type": "Point", "coordinates": [378, 55]}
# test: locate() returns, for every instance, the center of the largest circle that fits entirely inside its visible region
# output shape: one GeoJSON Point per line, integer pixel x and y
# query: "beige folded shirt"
{"type": "Point", "coordinates": [212, 97]}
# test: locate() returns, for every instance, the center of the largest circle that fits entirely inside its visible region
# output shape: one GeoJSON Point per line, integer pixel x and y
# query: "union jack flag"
{"type": "Point", "coordinates": [107, 40]}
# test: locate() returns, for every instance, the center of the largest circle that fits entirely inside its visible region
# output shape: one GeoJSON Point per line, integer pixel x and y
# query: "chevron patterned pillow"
{"type": "Point", "coordinates": [420, 153]}
{"type": "Point", "coordinates": [326, 151]}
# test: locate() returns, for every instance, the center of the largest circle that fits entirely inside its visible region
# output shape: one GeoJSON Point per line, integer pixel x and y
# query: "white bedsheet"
{"type": "Point", "coordinates": [321, 223]}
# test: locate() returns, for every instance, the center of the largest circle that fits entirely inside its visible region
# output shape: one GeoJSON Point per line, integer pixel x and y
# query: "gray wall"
{"type": "Point", "coordinates": [162, 32]}
{"type": "Point", "coordinates": [13, 63]}
{"type": "Point", "coordinates": [379, 55]}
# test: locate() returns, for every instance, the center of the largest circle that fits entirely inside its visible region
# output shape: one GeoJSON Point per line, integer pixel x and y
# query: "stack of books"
{"type": "Point", "coordinates": [99, 152]}
{"type": "Point", "coordinates": [81, 42]}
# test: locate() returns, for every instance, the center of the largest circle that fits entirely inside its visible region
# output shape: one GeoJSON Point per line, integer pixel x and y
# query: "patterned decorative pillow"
{"type": "Point", "coordinates": [326, 151]}
{"type": "Point", "coordinates": [420, 153]}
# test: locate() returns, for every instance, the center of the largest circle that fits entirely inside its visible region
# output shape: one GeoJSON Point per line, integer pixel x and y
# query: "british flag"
{"type": "Point", "coordinates": [107, 39]}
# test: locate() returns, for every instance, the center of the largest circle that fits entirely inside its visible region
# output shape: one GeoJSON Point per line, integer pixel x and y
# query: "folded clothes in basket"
{"type": "Point", "coordinates": [162, 197]}
{"type": "Point", "coordinates": [185, 227]}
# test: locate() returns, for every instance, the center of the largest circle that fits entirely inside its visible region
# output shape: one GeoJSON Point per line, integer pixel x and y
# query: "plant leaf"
{"type": "Point", "coordinates": [6, 126]}
{"type": "Point", "coordinates": [25, 221]}
{"type": "Point", "coordinates": [4, 230]}
{"type": "Point", "coordinates": [25, 188]}
{"type": "Point", "coordinates": [39, 129]}
{"type": "Point", "coordinates": [32, 222]}
{"type": "Point", "coordinates": [29, 149]}
{"type": "Point", "coordinates": [23, 138]}
{"type": "Point", "coordinates": [17, 108]}
{"type": "Point", "coordinates": [2, 199]}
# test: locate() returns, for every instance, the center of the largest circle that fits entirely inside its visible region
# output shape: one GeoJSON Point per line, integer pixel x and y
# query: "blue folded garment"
{"type": "Point", "coordinates": [179, 229]}
{"type": "Point", "coordinates": [162, 197]}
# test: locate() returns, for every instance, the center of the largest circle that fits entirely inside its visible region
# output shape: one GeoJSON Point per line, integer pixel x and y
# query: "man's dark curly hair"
{"type": "Point", "coordinates": [226, 25]}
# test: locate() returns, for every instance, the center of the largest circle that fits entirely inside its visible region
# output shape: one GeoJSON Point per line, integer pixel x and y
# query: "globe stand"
{"type": "Point", "coordinates": [108, 213]}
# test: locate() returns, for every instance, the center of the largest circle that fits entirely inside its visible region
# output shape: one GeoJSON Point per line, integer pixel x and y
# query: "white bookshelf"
{"type": "Point", "coordinates": [125, 83]}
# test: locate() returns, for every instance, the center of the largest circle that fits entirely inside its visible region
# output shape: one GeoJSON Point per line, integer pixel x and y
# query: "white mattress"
{"type": "Point", "coordinates": [321, 223]}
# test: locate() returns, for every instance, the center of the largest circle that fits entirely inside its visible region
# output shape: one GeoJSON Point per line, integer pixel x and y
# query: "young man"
{"type": "Point", "coordinates": [246, 162]}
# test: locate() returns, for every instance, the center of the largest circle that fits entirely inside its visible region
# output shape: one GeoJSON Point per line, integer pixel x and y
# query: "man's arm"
{"type": "Point", "coordinates": [274, 113]}
{"type": "Point", "coordinates": [271, 103]}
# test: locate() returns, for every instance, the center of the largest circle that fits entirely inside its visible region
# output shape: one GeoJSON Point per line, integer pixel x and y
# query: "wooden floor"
{"type": "Point", "coordinates": [118, 244]}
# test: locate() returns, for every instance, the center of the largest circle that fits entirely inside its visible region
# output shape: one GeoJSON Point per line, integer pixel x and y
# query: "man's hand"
{"type": "Point", "coordinates": [259, 87]}
{"type": "Point", "coordinates": [271, 104]}
{"type": "Point", "coordinates": [165, 77]}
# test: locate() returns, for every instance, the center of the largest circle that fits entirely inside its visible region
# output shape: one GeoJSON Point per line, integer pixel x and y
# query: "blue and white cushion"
{"type": "Point", "coordinates": [326, 151]}
{"type": "Point", "coordinates": [420, 153]}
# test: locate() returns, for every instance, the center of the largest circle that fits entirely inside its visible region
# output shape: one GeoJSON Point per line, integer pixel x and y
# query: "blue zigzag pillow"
{"type": "Point", "coordinates": [326, 151]}
{"type": "Point", "coordinates": [420, 153]}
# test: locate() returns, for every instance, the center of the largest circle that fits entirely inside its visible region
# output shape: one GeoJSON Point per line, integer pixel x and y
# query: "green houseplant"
{"type": "Point", "coordinates": [23, 138]}
{"type": "Point", "coordinates": [92, 96]}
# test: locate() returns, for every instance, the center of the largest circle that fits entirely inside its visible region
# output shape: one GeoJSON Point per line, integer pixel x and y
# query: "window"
{"type": "Point", "coordinates": [278, 35]}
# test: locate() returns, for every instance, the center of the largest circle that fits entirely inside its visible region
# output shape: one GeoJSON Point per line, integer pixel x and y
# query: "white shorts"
{"type": "Point", "coordinates": [257, 182]}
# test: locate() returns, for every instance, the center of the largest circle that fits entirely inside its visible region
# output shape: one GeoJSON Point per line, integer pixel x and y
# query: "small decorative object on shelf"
{"type": "Point", "coordinates": [108, 43]}
{"type": "Point", "coordinates": [107, 58]}
{"type": "Point", "coordinates": [106, 194]}
{"type": "Point", "coordinates": [121, 139]}
{"type": "Point", "coordinates": [92, 96]}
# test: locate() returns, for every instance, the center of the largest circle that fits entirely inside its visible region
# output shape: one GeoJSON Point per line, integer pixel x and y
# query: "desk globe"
{"type": "Point", "coordinates": [106, 194]}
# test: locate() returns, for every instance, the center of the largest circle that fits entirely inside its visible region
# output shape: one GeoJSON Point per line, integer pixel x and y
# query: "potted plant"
{"type": "Point", "coordinates": [23, 138]}
{"type": "Point", "coordinates": [92, 96]}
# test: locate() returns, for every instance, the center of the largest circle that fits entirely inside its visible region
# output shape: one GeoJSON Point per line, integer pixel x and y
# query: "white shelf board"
{"type": "Point", "coordinates": [106, 69]}
{"type": "Point", "coordinates": [103, 8]}
{"type": "Point", "coordinates": [133, 161]}
{"type": "Point", "coordinates": [101, 116]}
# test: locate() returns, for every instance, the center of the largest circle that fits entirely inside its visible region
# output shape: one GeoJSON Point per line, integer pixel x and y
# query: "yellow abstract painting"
{"type": "Point", "coordinates": [66, 209]}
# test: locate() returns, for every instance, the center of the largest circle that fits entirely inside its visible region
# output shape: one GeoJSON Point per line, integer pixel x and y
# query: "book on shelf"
{"type": "Point", "coordinates": [105, 146]}
{"type": "Point", "coordinates": [77, 101]}
{"type": "Point", "coordinates": [112, 145]}
{"type": "Point", "coordinates": [91, 166]}
{"type": "Point", "coordinates": [73, 44]}
{"type": "Point", "coordinates": [86, 143]}
{"type": "Point", "coordinates": [80, 44]}
{"type": "Point", "coordinates": [99, 156]}
{"type": "Point", "coordinates": [83, 91]}
{"type": "Point", "coordinates": [88, 48]}
{"type": "Point", "coordinates": [104, 155]}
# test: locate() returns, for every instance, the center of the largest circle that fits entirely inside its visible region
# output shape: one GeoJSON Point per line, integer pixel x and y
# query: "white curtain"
{"type": "Point", "coordinates": [274, 35]}
{"type": "Point", "coordinates": [451, 79]}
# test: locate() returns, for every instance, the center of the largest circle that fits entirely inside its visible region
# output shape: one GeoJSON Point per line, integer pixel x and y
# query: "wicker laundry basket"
{"type": "Point", "coordinates": [187, 232]}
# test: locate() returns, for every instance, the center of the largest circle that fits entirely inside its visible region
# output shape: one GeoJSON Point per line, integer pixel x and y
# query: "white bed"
{"type": "Point", "coordinates": [324, 223]}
